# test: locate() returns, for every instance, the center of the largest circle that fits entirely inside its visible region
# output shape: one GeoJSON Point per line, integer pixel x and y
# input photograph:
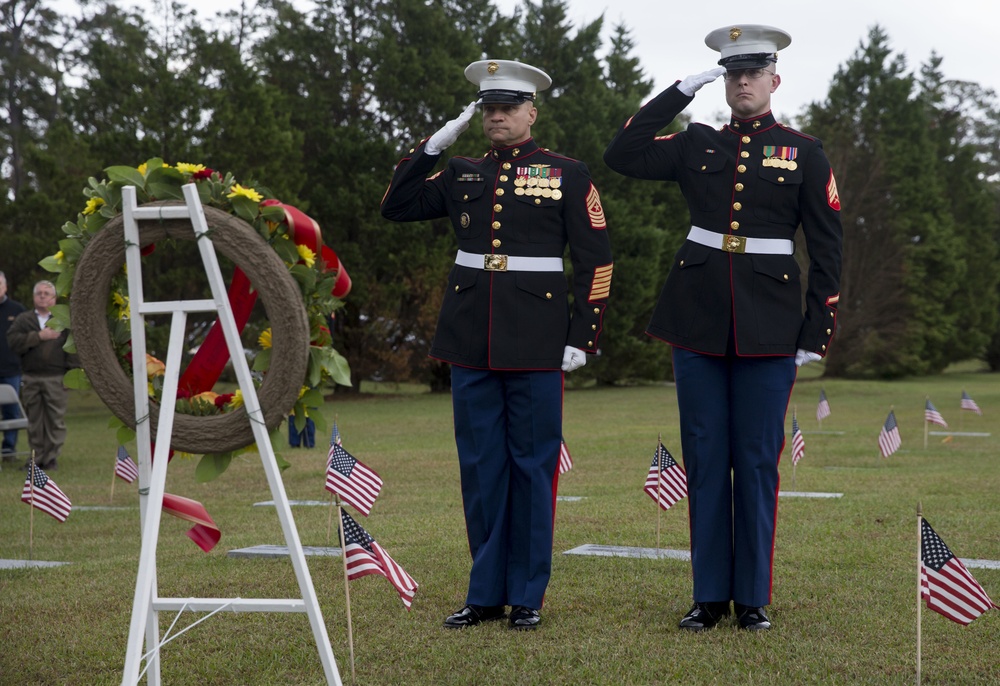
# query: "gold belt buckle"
{"type": "Point", "coordinates": [495, 263]}
{"type": "Point", "coordinates": [737, 244]}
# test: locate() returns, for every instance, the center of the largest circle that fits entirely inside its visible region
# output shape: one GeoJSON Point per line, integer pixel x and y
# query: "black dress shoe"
{"type": "Point", "coordinates": [471, 615]}
{"type": "Point", "coordinates": [752, 618]}
{"type": "Point", "coordinates": [524, 618]}
{"type": "Point", "coordinates": [704, 616]}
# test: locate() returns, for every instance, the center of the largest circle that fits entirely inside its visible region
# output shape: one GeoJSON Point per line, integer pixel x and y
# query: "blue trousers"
{"type": "Point", "coordinates": [732, 417]}
{"type": "Point", "coordinates": [508, 426]}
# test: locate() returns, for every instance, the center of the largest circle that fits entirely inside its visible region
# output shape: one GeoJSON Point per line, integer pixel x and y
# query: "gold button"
{"type": "Point", "coordinates": [498, 207]}
{"type": "Point", "coordinates": [829, 331]}
{"type": "Point", "coordinates": [503, 177]}
{"type": "Point", "coordinates": [737, 206]}
{"type": "Point", "coordinates": [548, 296]}
{"type": "Point", "coordinates": [745, 139]}
{"type": "Point", "coordinates": [734, 225]}
{"type": "Point", "coordinates": [456, 289]}
{"type": "Point", "coordinates": [739, 186]}
{"type": "Point", "coordinates": [506, 166]}
{"type": "Point", "coordinates": [785, 277]}
{"type": "Point", "coordinates": [499, 191]}
{"type": "Point", "coordinates": [682, 263]}
{"type": "Point", "coordinates": [538, 201]}
{"type": "Point", "coordinates": [590, 344]}
{"type": "Point", "coordinates": [496, 242]}
{"type": "Point", "coordinates": [831, 314]}
{"type": "Point", "coordinates": [781, 179]}
{"type": "Point", "coordinates": [742, 168]}
{"type": "Point", "coordinates": [744, 154]}
{"type": "Point", "coordinates": [823, 347]}
{"type": "Point", "coordinates": [597, 310]}
{"type": "Point", "coordinates": [703, 167]}
{"type": "Point", "coordinates": [412, 149]}
{"type": "Point", "coordinates": [465, 197]}
{"type": "Point", "coordinates": [593, 327]}
{"type": "Point", "coordinates": [496, 225]}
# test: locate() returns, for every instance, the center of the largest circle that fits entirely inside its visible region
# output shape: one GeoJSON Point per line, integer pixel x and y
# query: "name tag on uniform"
{"type": "Point", "coordinates": [469, 177]}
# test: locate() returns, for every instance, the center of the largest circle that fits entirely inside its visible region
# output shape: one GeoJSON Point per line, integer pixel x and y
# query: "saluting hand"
{"type": "Point", "coordinates": [691, 84]}
{"type": "Point", "coordinates": [450, 132]}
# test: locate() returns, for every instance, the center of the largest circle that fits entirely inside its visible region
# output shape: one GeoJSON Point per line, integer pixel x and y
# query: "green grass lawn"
{"type": "Point", "coordinates": [845, 572]}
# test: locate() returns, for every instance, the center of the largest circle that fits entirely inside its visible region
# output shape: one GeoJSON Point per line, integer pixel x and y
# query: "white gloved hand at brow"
{"type": "Point", "coordinates": [450, 132]}
{"type": "Point", "coordinates": [691, 84]}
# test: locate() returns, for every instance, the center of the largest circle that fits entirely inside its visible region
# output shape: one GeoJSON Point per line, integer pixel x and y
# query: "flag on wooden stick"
{"type": "Point", "coordinates": [565, 459]}
{"type": "Point", "coordinates": [666, 482]}
{"type": "Point", "coordinates": [41, 492]}
{"type": "Point", "coordinates": [888, 437]}
{"type": "Point", "coordinates": [823, 408]}
{"type": "Point", "coordinates": [125, 468]}
{"type": "Point", "coordinates": [932, 415]}
{"type": "Point", "coordinates": [354, 482]}
{"type": "Point", "coordinates": [364, 556]}
{"type": "Point", "coordinates": [945, 584]}
{"type": "Point", "coordinates": [798, 442]}
{"type": "Point", "coordinates": [969, 404]}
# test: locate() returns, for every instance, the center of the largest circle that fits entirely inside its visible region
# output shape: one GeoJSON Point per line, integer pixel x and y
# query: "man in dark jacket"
{"type": "Point", "coordinates": [507, 327]}
{"type": "Point", "coordinates": [44, 362]}
{"type": "Point", "coordinates": [732, 305]}
{"type": "Point", "coordinates": [10, 364]}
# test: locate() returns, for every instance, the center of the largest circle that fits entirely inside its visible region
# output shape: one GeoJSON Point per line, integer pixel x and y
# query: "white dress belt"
{"type": "Point", "coordinates": [508, 263]}
{"type": "Point", "coordinates": [741, 244]}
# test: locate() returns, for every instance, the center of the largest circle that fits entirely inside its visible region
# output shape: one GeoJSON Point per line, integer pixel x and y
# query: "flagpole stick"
{"type": "Point", "coordinates": [347, 586]}
{"type": "Point", "coordinates": [795, 412]}
{"type": "Point", "coordinates": [927, 399]}
{"type": "Point", "coordinates": [329, 521]}
{"type": "Point", "coordinates": [919, 554]}
{"type": "Point", "coordinates": [113, 476]}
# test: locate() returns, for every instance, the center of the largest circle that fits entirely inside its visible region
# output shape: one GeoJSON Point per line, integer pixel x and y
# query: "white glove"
{"type": "Point", "coordinates": [690, 85]}
{"type": "Point", "coordinates": [573, 358]}
{"type": "Point", "coordinates": [450, 132]}
{"type": "Point", "coordinates": [805, 357]}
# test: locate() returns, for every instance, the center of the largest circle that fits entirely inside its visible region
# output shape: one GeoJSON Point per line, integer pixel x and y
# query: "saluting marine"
{"type": "Point", "coordinates": [731, 306]}
{"type": "Point", "coordinates": [507, 326]}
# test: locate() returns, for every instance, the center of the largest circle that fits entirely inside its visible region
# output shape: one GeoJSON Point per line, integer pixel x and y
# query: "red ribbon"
{"type": "Point", "coordinates": [204, 532]}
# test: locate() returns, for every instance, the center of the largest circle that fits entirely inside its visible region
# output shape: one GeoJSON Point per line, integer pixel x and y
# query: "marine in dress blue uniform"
{"type": "Point", "coordinates": [511, 324]}
{"type": "Point", "coordinates": [732, 308]}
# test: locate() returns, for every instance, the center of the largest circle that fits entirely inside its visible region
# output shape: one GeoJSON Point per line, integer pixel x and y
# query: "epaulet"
{"type": "Point", "coordinates": [789, 129]}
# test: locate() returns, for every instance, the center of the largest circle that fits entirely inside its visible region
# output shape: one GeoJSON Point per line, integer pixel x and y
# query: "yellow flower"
{"type": "Point", "coordinates": [264, 340]}
{"type": "Point", "coordinates": [237, 400]}
{"type": "Point", "coordinates": [154, 367]}
{"type": "Point", "coordinates": [185, 168]}
{"type": "Point", "coordinates": [59, 256]}
{"type": "Point", "coordinates": [237, 189]}
{"type": "Point", "coordinates": [206, 396]}
{"type": "Point", "coordinates": [92, 205]}
{"type": "Point", "coordinates": [306, 255]}
{"type": "Point", "coordinates": [123, 305]}
{"type": "Point", "coordinates": [142, 168]}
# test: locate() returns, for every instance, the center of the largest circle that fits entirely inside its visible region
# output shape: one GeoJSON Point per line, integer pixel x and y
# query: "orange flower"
{"type": "Point", "coordinates": [154, 367]}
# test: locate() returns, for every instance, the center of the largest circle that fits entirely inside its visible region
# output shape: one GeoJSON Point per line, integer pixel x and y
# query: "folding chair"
{"type": "Point", "coordinates": [8, 396]}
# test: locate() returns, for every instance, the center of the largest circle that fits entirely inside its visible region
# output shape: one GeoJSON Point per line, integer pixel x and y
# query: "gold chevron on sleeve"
{"type": "Point", "coordinates": [595, 210]}
{"type": "Point", "coordinates": [601, 285]}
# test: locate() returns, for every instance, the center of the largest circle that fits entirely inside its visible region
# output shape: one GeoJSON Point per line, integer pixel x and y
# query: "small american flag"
{"type": "Point", "coordinates": [666, 482]}
{"type": "Point", "coordinates": [335, 435]}
{"type": "Point", "coordinates": [945, 583]}
{"type": "Point", "coordinates": [364, 556]}
{"type": "Point", "coordinates": [40, 491]}
{"type": "Point", "coordinates": [565, 460]}
{"type": "Point", "coordinates": [823, 409]}
{"type": "Point", "coordinates": [932, 415]}
{"type": "Point", "coordinates": [798, 442]}
{"type": "Point", "coordinates": [349, 478]}
{"type": "Point", "coordinates": [970, 404]}
{"type": "Point", "coordinates": [888, 437]}
{"type": "Point", "coordinates": [125, 468]}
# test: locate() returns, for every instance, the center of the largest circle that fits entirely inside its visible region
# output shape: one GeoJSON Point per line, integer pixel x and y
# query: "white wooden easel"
{"type": "Point", "coordinates": [153, 472]}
